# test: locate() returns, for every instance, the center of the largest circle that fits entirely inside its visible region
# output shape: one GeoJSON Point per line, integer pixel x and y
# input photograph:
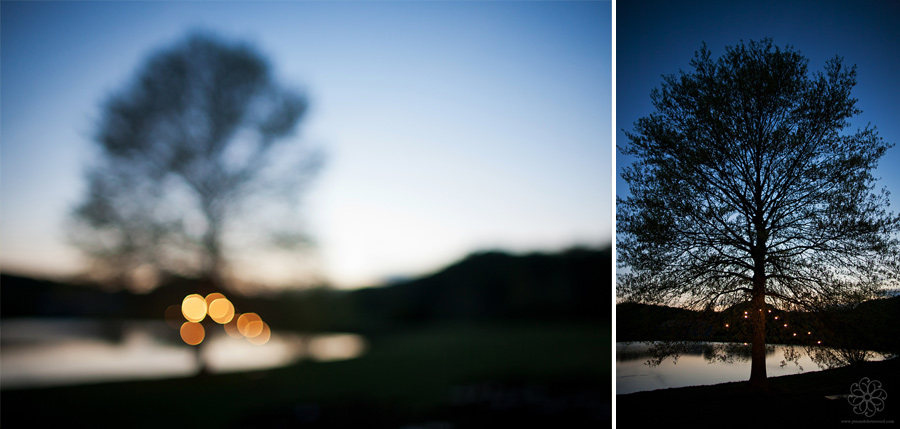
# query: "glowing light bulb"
{"type": "Point", "coordinates": [192, 333]}
{"type": "Point", "coordinates": [212, 297]}
{"type": "Point", "coordinates": [231, 328]}
{"type": "Point", "coordinates": [221, 311]}
{"type": "Point", "coordinates": [262, 337]}
{"type": "Point", "coordinates": [246, 326]}
{"type": "Point", "coordinates": [254, 328]}
{"type": "Point", "coordinates": [193, 308]}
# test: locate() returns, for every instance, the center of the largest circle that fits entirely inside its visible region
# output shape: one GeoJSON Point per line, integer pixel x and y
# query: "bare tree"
{"type": "Point", "coordinates": [747, 188]}
{"type": "Point", "coordinates": [195, 165]}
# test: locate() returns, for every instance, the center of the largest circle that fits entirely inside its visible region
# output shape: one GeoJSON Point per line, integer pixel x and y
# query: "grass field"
{"type": "Point", "coordinates": [814, 399]}
{"type": "Point", "coordinates": [431, 376]}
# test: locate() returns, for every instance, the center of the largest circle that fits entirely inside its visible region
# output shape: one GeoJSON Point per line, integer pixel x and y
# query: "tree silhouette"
{"type": "Point", "coordinates": [193, 165]}
{"type": "Point", "coordinates": [747, 188]}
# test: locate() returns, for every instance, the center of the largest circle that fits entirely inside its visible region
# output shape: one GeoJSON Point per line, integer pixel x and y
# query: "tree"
{"type": "Point", "coordinates": [747, 188]}
{"type": "Point", "coordinates": [192, 166]}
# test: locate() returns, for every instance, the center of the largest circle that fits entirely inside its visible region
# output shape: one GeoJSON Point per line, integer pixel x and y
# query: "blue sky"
{"type": "Point", "coordinates": [655, 38]}
{"type": "Point", "coordinates": [450, 127]}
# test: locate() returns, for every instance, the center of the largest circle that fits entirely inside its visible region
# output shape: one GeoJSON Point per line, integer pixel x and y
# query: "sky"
{"type": "Point", "coordinates": [656, 38]}
{"type": "Point", "coordinates": [448, 127]}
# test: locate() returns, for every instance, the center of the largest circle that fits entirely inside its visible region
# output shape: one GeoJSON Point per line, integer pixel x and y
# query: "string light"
{"type": "Point", "coordinates": [212, 297]}
{"type": "Point", "coordinates": [221, 310]}
{"type": "Point", "coordinates": [192, 333]}
{"type": "Point", "coordinates": [195, 308]}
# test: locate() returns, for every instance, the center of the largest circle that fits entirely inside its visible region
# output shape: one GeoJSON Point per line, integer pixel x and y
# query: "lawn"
{"type": "Point", "coordinates": [444, 375]}
{"type": "Point", "coordinates": [813, 399]}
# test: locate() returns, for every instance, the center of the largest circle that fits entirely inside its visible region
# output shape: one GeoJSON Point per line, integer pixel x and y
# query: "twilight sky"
{"type": "Point", "coordinates": [449, 127]}
{"type": "Point", "coordinates": [656, 37]}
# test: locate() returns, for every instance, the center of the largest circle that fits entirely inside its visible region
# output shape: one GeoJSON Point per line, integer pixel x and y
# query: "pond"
{"type": "Point", "coordinates": [638, 367]}
{"type": "Point", "coordinates": [59, 352]}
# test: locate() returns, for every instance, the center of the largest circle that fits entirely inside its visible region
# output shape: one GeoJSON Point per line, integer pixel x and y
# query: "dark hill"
{"type": "Point", "coordinates": [873, 325]}
{"type": "Point", "coordinates": [27, 297]}
{"type": "Point", "coordinates": [571, 285]}
{"type": "Point", "coordinates": [644, 322]}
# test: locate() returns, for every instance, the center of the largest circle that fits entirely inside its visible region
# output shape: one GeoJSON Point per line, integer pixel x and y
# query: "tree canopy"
{"type": "Point", "coordinates": [195, 165]}
{"type": "Point", "coordinates": [748, 186]}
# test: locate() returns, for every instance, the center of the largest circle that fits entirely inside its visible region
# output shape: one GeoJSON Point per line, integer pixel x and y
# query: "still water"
{"type": "Point", "coordinates": [714, 363]}
{"type": "Point", "coordinates": [60, 352]}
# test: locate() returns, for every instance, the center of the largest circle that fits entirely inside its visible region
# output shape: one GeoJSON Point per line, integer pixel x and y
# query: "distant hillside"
{"type": "Point", "coordinates": [643, 322]}
{"type": "Point", "coordinates": [26, 297]}
{"type": "Point", "coordinates": [574, 285]}
{"type": "Point", "coordinates": [872, 324]}
{"type": "Point", "coordinates": [571, 285]}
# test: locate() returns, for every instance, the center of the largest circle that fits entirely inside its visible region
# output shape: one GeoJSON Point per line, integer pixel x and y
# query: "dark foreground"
{"type": "Point", "coordinates": [798, 400]}
{"type": "Point", "coordinates": [458, 376]}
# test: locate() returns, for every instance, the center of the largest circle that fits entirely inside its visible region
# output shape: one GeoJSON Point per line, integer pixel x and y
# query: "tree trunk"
{"type": "Point", "coordinates": [758, 378]}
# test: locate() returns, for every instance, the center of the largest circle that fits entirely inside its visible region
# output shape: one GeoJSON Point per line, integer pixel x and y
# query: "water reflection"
{"type": "Point", "coordinates": [59, 352]}
{"type": "Point", "coordinates": [655, 353]}
{"type": "Point", "coordinates": [644, 366]}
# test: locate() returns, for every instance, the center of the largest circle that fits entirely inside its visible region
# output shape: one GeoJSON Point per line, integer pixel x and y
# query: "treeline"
{"type": "Point", "coordinates": [573, 285]}
{"type": "Point", "coordinates": [872, 325]}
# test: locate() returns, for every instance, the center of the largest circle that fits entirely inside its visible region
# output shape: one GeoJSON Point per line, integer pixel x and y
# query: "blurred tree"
{"type": "Point", "coordinates": [746, 188]}
{"type": "Point", "coordinates": [190, 170]}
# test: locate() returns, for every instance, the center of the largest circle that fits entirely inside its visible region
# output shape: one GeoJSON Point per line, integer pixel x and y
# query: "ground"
{"type": "Point", "coordinates": [448, 376]}
{"type": "Point", "coordinates": [796, 399]}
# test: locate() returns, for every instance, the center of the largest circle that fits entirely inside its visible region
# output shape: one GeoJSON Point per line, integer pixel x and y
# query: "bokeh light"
{"type": "Point", "coordinates": [193, 308]}
{"type": "Point", "coordinates": [174, 317]}
{"type": "Point", "coordinates": [263, 336]}
{"type": "Point", "coordinates": [254, 328]}
{"type": "Point", "coordinates": [221, 311]}
{"type": "Point", "coordinates": [243, 324]}
{"type": "Point", "coordinates": [231, 328]}
{"type": "Point", "coordinates": [192, 333]}
{"type": "Point", "coordinates": [212, 297]}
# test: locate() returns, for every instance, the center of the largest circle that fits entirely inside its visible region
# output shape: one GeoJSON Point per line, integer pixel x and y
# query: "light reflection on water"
{"type": "Point", "coordinates": [704, 366]}
{"type": "Point", "coordinates": [50, 353]}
